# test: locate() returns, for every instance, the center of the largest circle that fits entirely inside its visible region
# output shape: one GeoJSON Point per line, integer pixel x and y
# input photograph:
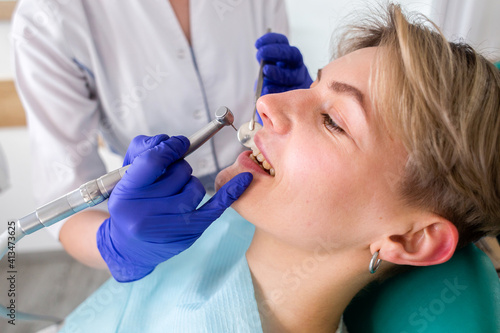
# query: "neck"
{"type": "Point", "coordinates": [181, 10]}
{"type": "Point", "coordinates": [303, 291]}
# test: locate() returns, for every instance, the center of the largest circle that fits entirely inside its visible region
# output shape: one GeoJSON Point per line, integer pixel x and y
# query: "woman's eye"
{"type": "Point", "coordinates": [330, 124]}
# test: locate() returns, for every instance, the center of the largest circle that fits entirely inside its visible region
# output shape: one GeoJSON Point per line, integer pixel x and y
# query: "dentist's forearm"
{"type": "Point", "coordinates": [78, 237]}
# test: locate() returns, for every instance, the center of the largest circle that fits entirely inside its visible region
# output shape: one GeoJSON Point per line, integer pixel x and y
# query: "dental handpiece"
{"type": "Point", "coordinates": [98, 190]}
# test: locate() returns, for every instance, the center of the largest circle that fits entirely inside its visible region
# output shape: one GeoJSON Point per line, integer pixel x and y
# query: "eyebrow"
{"type": "Point", "coordinates": [344, 88]}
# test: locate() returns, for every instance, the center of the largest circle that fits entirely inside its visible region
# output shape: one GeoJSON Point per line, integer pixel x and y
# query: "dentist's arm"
{"type": "Point", "coordinates": [77, 236]}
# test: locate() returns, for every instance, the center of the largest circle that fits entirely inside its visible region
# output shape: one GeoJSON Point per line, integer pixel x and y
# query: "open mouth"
{"type": "Point", "coordinates": [258, 158]}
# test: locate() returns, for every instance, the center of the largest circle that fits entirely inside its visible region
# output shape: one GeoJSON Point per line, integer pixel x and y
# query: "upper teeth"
{"type": "Point", "coordinates": [258, 157]}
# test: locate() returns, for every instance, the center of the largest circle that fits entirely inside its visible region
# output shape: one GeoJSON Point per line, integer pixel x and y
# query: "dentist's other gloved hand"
{"type": "Point", "coordinates": [284, 68]}
{"type": "Point", "coordinates": [153, 208]}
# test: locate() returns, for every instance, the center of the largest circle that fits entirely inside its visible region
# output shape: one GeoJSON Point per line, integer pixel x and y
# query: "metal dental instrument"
{"type": "Point", "coordinates": [247, 131]}
{"type": "Point", "coordinates": [98, 190]}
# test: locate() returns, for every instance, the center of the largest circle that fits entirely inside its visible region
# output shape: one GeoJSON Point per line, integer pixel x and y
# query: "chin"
{"type": "Point", "coordinates": [220, 180]}
{"type": "Point", "coordinates": [224, 176]}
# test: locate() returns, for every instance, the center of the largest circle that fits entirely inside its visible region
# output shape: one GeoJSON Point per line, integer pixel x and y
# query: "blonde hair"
{"type": "Point", "coordinates": [442, 100]}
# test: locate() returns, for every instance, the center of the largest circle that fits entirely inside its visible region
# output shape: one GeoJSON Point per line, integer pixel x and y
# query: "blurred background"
{"type": "Point", "coordinates": [61, 283]}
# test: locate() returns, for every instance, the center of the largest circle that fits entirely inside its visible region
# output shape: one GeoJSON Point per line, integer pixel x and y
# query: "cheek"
{"type": "Point", "coordinates": [313, 186]}
{"type": "Point", "coordinates": [327, 191]}
{"type": "Point", "coordinates": [319, 174]}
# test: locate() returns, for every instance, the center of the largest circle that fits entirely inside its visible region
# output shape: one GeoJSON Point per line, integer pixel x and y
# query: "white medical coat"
{"type": "Point", "coordinates": [124, 68]}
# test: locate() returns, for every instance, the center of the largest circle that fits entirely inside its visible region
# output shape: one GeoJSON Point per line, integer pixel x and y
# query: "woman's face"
{"type": "Point", "coordinates": [335, 171]}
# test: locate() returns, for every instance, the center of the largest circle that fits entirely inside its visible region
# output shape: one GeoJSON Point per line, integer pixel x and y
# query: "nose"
{"type": "Point", "coordinates": [280, 112]}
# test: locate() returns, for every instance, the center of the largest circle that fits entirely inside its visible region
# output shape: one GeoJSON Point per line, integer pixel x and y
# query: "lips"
{"type": "Point", "coordinates": [258, 159]}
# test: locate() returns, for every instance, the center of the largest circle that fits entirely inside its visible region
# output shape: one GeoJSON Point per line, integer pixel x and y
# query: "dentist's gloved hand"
{"type": "Point", "coordinates": [153, 207]}
{"type": "Point", "coordinates": [284, 68]}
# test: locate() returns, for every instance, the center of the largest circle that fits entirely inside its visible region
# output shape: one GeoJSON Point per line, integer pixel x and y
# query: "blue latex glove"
{"type": "Point", "coordinates": [284, 68]}
{"type": "Point", "coordinates": [153, 207]}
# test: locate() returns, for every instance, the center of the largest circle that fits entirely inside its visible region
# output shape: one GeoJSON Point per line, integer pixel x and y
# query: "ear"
{"type": "Point", "coordinates": [432, 241]}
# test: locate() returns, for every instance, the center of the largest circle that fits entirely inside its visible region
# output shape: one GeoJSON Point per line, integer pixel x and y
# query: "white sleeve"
{"type": "Point", "coordinates": [277, 18]}
{"type": "Point", "coordinates": [62, 112]}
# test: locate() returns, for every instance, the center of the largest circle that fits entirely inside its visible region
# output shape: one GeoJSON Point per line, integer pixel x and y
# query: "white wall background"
{"type": "Point", "coordinates": [475, 21]}
{"type": "Point", "coordinates": [312, 24]}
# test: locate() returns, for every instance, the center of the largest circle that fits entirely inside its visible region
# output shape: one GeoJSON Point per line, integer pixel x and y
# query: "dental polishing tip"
{"type": "Point", "coordinates": [234, 127]}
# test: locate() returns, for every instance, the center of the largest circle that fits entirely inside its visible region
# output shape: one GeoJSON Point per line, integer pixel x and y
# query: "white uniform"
{"type": "Point", "coordinates": [123, 68]}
